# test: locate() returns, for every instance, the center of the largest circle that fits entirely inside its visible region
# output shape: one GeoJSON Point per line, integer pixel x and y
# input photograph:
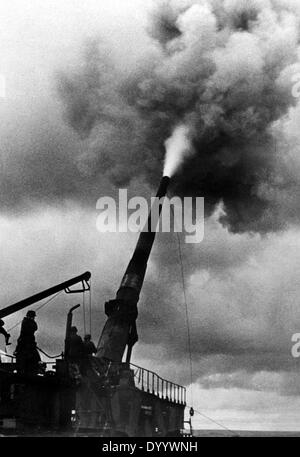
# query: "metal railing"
{"type": "Point", "coordinates": [145, 380]}
{"type": "Point", "coordinates": [150, 382]}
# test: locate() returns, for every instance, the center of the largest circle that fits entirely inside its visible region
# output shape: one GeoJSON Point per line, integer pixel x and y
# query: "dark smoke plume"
{"type": "Point", "coordinates": [224, 70]}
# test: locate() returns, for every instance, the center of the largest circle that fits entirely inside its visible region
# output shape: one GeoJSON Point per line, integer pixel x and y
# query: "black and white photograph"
{"type": "Point", "coordinates": [149, 221]}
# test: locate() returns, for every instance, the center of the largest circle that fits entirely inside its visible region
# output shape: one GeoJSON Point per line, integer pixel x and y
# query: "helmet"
{"type": "Point", "coordinates": [73, 329]}
{"type": "Point", "coordinates": [31, 313]}
{"type": "Point", "coordinates": [87, 336]}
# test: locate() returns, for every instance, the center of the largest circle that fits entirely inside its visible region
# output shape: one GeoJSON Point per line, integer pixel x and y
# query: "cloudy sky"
{"type": "Point", "coordinates": [92, 90]}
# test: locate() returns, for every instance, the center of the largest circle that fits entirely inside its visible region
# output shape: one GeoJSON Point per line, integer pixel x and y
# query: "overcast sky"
{"type": "Point", "coordinates": [242, 284]}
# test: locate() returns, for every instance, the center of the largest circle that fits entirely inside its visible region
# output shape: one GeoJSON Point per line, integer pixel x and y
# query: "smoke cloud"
{"type": "Point", "coordinates": [230, 84]}
{"type": "Point", "coordinates": [177, 148]}
{"type": "Point", "coordinates": [224, 70]}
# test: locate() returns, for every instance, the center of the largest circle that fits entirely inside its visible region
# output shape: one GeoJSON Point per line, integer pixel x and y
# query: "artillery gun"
{"type": "Point", "coordinates": [109, 396]}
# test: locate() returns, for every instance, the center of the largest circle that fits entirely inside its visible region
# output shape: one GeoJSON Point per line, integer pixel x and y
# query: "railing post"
{"type": "Point", "coordinates": [160, 387]}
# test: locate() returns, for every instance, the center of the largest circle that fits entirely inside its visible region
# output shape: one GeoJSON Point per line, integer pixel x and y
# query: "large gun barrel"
{"type": "Point", "coordinates": [133, 278]}
{"type": "Point", "coordinates": [120, 328]}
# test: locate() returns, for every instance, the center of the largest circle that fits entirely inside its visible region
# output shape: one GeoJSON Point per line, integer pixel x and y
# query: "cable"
{"type": "Point", "coordinates": [217, 423]}
{"type": "Point", "coordinates": [47, 355]}
{"type": "Point", "coordinates": [90, 305]}
{"type": "Point", "coordinates": [186, 316]}
{"type": "Point", "coordinates": [189, 341]}
{"type": "Point", "coordinates": [7, 355]}
{"type": "Point", "coordinates": [83, 309]}
{"type": "Point", "coordinates": [38, 308]}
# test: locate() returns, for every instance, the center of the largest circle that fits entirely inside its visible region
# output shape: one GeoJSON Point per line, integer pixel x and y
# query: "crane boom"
{"type": "Point", "coordinates": [84, 278]}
